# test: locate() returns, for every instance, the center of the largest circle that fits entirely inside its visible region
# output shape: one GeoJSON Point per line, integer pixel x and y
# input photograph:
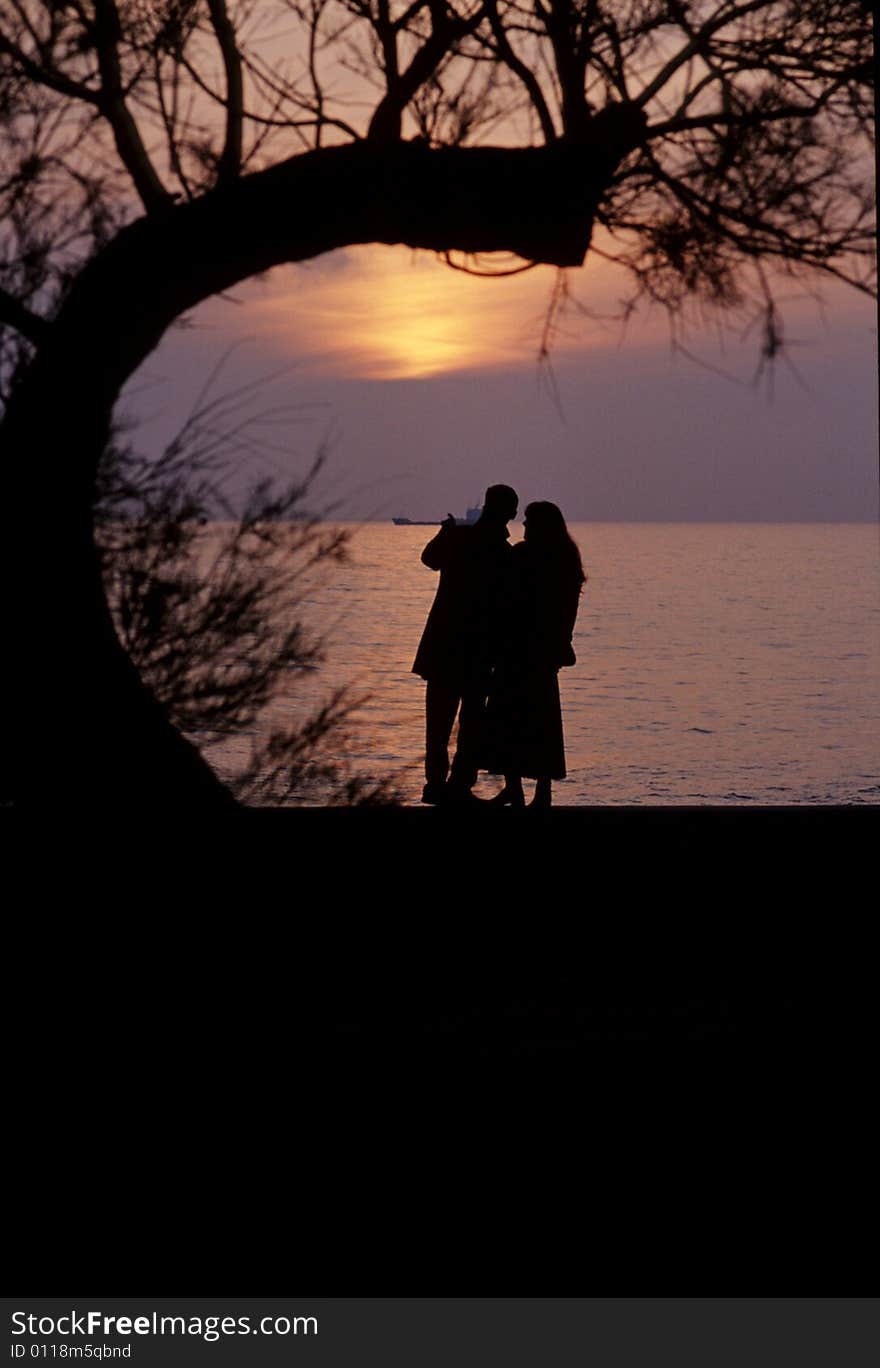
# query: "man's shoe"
{"type": "Point", "coordinates": [434, 793]}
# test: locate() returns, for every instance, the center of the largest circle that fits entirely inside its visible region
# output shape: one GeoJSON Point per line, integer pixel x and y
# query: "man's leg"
{"type": "Point", "coordinates": [471, 721]}
{"type": "Point", "coordinates": [441, 705]}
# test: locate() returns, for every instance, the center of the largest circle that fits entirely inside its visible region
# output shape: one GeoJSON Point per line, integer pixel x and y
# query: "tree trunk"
{"type": "Point", "coordinates": [84, 727]}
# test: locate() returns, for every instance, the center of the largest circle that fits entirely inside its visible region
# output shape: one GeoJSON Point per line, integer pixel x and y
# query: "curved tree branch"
{"type": "Point", "coordinates": [536, 202]}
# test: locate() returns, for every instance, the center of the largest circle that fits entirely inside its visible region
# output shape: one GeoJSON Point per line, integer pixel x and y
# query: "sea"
{"type": "Point", "coordinates": [717, 664]}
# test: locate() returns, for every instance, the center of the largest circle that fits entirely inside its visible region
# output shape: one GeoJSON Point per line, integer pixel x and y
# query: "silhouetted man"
{"type": "Point", "coordinates": [456, 650]}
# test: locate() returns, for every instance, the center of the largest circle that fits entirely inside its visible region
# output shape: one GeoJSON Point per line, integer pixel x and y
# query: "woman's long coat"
{"type": "Point", "coordinates": [524, 716]}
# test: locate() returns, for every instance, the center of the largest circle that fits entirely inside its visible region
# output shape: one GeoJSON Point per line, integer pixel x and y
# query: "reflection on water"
{"type": "Point", "coordinates": [717, 663]}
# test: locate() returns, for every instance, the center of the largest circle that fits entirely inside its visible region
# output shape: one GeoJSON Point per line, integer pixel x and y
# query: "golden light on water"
{"type": "Point", "coordinates": [388, 313]}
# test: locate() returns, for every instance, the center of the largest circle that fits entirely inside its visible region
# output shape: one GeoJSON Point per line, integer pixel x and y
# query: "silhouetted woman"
{"type": "Point", "coordinates": [524, 716]}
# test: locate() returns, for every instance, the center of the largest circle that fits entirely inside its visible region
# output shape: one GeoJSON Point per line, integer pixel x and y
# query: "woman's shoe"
{"type": "Point", "coordinates": [507, 798]}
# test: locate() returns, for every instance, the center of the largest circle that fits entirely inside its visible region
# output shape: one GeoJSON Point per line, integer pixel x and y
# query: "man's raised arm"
{"type": "Point", "coordinates": [437, 551]}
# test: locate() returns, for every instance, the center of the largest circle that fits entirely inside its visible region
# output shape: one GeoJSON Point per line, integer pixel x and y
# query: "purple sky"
{"type": "Point", "coordinates": [426, 384]}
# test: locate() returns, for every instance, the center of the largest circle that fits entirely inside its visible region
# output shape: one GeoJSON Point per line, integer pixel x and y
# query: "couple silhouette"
{"type": "Point", "coordinates": [497, 635]}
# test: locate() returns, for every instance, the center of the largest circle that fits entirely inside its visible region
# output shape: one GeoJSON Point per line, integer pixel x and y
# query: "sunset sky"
{"type": "Point", "coordinates": [426, 384]}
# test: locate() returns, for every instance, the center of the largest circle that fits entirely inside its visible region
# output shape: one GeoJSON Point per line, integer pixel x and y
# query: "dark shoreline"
{"type": "Point", "coordinates": [499, 933]}
{"type": "Point", "coordinates": [665, 1065]}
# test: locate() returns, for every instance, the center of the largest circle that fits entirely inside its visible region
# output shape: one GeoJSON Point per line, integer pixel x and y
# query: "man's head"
{"type": "Point", "coordinates": [500, 503]}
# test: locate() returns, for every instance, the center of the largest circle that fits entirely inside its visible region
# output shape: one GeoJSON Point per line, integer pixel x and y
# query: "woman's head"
{"type": "Point", "coordinates": [545, 531]}
{"type": "Point", "coordinates": [544, 522]}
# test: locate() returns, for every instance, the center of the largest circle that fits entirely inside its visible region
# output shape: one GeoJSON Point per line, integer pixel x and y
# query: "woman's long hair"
{"type": "Point", "coordinates": [548, 536]}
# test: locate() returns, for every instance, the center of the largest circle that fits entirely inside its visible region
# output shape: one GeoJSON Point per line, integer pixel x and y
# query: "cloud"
{"type": "Point", "coordinates": [388, 313]}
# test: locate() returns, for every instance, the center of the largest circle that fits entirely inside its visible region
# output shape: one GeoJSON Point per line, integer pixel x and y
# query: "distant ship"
{"type": "Point", "coordinates": [470, 517]}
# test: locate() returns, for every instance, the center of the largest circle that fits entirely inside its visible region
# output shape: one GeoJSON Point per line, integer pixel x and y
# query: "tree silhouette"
{"type": "Point", "coordinates": [155, 154]}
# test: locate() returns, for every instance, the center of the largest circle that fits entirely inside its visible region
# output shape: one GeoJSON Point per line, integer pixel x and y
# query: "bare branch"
{"type": "Point", "coordinates": [519, 69]}
{"type": "Point", "coordinates": [570, 57]}
{"type": "Point", "coordinates": [724, 118]}
{"type": "Point", "coordinates": [446, 31]}
{"type": "Point", "coordinates": [230, 159]}
{"type": "Point", "coordinates": [720, 21]}
{"type": "Point", "coordinates": [48, 76]}
{"type": "Point", "coordinates": [129, 144]}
